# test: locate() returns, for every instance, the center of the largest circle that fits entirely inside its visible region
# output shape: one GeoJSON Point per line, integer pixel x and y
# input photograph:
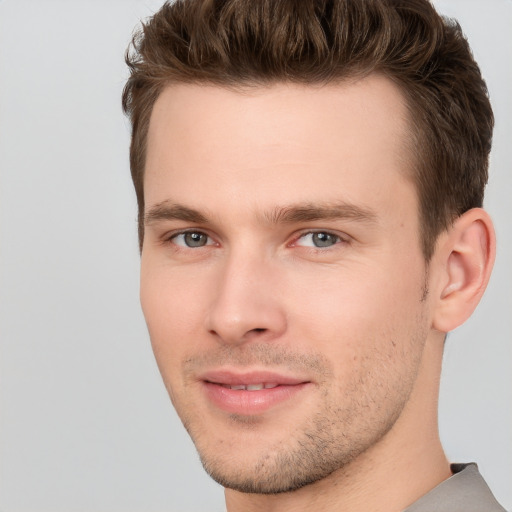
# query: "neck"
{"type": "Point", "coordinates": [403, 466]}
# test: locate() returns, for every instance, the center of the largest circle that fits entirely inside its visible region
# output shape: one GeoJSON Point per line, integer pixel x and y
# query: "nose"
{"type": "Point", "coordinates": [246, 302]}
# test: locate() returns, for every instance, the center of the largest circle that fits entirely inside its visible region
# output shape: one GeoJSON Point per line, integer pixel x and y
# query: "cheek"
{"type": "Point", "coordinates": [372, 328]}
{"type": "Point", "coordinates": [360, 310]}
{"type": "Point", "coordinates": [171, 303]}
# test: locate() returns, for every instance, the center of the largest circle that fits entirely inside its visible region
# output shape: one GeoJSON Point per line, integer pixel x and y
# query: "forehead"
{"type": "Point", "coordinates": [264, 143]}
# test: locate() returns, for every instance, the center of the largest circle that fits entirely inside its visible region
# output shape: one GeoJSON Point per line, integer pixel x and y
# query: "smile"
{"type": "Point", "coordinates": [251, 393]}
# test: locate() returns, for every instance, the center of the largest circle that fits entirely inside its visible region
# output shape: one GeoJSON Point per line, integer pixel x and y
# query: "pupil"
{"type": "Point", "coordinates": [195, 239]}
{"type": "Point", "coordinates": [323, 239]}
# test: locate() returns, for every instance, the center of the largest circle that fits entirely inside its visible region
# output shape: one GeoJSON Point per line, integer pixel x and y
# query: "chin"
{"type": "Point", "coordinates": [275, 477]}
{"type": "Point", "coordinates": [283, 465]}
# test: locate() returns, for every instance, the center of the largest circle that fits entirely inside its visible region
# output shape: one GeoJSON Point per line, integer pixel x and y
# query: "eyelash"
{"type": "Point", "coordinates": [171, 239]}
{"type": "Point", "coordinates": [339, 239]}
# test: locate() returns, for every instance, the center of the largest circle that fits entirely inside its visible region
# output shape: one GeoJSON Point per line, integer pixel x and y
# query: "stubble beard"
{"type": "Point", "coordinates": [314, 456]}
{"type": "Point", "coordinates": [326, 443]}
{"type": "Point", "coordinates": [373, 399]}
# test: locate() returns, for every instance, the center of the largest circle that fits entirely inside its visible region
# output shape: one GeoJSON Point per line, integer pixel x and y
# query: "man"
{"type": "Point", "coordinates": [310, 179]}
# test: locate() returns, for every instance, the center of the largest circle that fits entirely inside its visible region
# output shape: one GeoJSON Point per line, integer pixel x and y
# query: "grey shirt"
{"type": "Point", "coordinates": [465, 491]}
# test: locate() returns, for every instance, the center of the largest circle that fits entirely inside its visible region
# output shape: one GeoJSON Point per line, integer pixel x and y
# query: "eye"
{"type": "Point", "coordinates": [318, 239]}
{"type": "Point", "coordinates": [192, 239]}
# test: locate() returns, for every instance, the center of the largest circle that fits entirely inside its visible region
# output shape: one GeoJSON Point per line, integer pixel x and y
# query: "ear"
{"type": "Point", "coordinates": [464, 259]}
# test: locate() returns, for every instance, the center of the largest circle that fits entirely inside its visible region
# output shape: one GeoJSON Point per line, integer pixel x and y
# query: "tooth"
{"type": "Point", "coordinates": [251, 387]}
{"type": "Point", "coordinates": [254, 387]}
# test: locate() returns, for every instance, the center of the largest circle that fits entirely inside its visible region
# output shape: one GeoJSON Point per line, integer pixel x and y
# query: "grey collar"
{"type": "Point", "coordinates": [464, 491]}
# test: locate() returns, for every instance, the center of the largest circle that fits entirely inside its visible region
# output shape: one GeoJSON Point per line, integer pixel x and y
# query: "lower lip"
{"type": "Point", "coordinates": [248, 403]}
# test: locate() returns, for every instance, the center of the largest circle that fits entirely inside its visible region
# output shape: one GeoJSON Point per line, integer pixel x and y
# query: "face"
{"type": "Point", "coordinates": [282, 277]}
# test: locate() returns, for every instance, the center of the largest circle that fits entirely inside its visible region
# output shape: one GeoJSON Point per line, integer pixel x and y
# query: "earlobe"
{"type": "Point", "coordinates": [465, 259]}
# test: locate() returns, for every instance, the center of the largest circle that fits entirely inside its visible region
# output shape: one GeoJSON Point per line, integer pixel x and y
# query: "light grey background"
{"type": "Point", "coordinates": [85, 423]}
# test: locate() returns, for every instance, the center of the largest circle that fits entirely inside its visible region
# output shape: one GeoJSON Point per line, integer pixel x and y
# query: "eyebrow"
{"type": "Point", "coordinates": [312, 212]}
{"type": "Point", "coordinates": [167, 210]}
{"type": "Point", "coordinates": [308, 212]}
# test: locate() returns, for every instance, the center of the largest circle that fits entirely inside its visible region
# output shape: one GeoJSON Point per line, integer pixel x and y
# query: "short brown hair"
{"type": "Point", "coordinates": [235, 43]}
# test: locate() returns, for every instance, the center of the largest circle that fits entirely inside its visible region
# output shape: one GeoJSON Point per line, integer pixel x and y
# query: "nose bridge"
{"type": "Point", "coordinates": [245, 303]}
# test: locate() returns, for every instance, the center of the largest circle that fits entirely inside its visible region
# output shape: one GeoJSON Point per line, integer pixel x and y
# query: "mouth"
{"type": "Point", "coordinates": [250, 394]}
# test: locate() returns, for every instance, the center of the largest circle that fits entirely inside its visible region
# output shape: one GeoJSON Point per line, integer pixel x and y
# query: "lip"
{"type": "Point", "coordinates": [216, 386]}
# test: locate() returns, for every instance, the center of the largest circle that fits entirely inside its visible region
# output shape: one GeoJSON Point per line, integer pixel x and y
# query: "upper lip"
{"type": "Point", "coordinates": [234, 378]}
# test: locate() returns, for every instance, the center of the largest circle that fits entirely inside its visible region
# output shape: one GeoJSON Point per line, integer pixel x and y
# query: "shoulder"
{"type": "Point", "coordinates": [464, 491]}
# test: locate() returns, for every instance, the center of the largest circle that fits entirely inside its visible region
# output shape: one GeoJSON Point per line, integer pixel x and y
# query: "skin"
{"type": "Point", "coordinates": [253, 177]}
